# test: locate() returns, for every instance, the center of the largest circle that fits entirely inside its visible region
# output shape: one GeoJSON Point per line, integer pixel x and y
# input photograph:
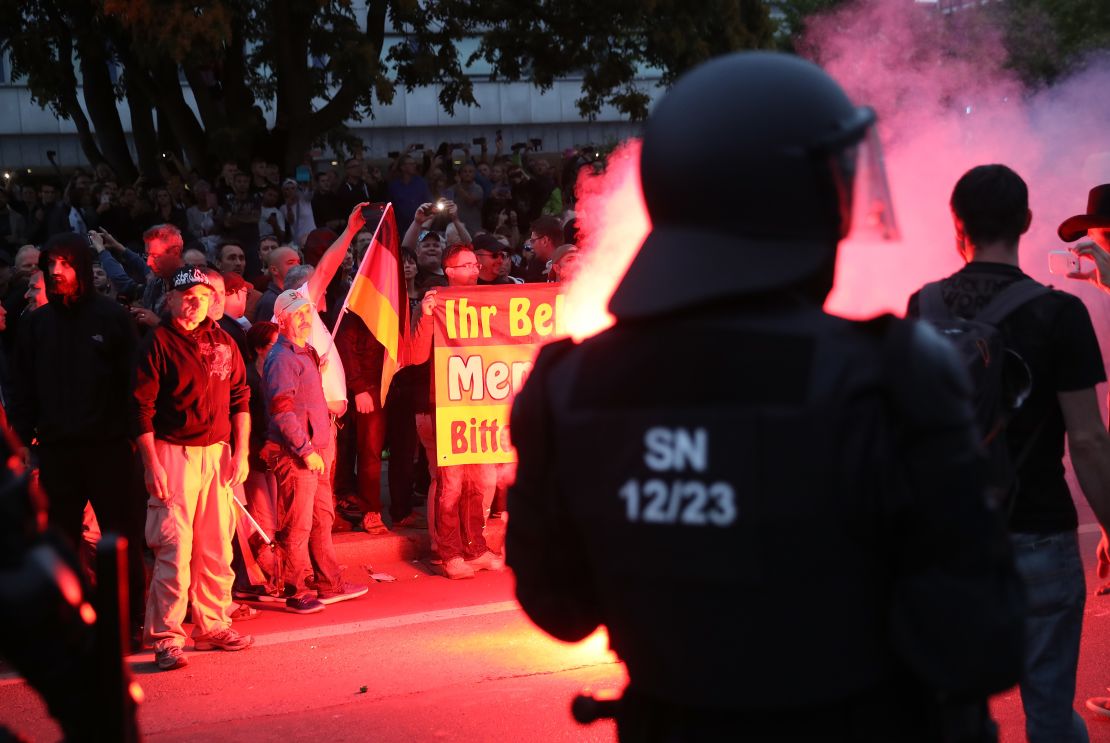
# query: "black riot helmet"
{"type": "Point", "coordinates": [748, 169]}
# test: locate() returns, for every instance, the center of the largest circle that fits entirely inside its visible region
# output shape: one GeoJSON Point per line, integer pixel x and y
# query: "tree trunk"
{"type": "Point", "coordinates": [292, 133]}
{"type": "Point", "coordinates": [142, 129]}
{"type": "Point", "coordinates": [100, 100]}
{"type": "Point", "coordinates": [68, 97]}
{"type": "Point", "coordinates": [170, 102]}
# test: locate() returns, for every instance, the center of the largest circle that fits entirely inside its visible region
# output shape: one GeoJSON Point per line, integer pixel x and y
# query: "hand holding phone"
{"type": "Point", "coordinates": [1063, 262]}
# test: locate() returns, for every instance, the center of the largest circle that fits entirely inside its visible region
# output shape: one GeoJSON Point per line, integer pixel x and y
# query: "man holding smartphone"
{"type": "Point", "coordinates": [1095, 224]}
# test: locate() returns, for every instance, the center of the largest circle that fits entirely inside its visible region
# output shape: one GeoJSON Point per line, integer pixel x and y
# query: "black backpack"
{"type": "Point", "coordinates": [1000, 378]}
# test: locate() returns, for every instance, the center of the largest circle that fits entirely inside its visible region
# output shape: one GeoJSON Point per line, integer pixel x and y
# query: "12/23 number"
{"type": "Point", "coordinates": [687, 502]}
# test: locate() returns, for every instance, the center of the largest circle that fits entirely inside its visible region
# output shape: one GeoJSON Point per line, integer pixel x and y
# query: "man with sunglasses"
{"type": "Point", "coordinates": [491, 255]}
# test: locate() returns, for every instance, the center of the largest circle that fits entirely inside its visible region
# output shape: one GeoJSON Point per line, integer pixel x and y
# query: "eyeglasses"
{"type": "Point", "coordinates": [467, 266]}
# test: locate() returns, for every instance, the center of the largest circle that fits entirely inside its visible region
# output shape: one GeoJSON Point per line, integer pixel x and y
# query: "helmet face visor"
{"type": "Point", "coordinates": [863, 190]}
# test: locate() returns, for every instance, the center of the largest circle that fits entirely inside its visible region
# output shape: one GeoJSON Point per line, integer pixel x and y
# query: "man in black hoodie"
{"type": "Point", "coordinates": [74, 359]}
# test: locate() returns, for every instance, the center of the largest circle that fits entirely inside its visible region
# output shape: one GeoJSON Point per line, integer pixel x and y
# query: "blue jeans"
{"type": "Point", "coordinates": [305, 515]}
{"type": "Point", "coordinates": [459, 509]}
{"type": "Point", "coordinates": [1056, 591]}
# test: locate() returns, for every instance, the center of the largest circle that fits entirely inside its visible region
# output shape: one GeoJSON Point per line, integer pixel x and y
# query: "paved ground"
{"type": "Point", "coordinates": [441, 661]}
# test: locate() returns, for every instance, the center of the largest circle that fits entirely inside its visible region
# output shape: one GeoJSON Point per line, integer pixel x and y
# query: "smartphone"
{"type": "Point", "coordinates": [440, 205]}
{"type": "Point", "coordinates": [478, 140]}
{"type": "Point", "coordinates": [105, 198]}
{"type": "Point", "coordinates": [1062, 262]}
{"type": "Point", "coordinates": [418, 146]}
{"type": "Point", "coordinates": [518, 146]}
{"type": "Point", "coordinates": [303, 175]}
{"type": "Point", "coordinates": [537, 143]}
{"type": "Point", "coordinates": [393, 154]}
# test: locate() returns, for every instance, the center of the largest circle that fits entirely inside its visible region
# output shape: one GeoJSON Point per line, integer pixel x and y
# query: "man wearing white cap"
{"type": "Point", "coordinates": [300, 450]}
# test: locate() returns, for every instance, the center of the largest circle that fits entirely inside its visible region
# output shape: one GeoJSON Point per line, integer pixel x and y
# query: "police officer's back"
{"type": "Point", "coordinates": [777, 513]}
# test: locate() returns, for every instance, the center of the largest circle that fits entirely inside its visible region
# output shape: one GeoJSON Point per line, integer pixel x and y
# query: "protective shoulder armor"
{"type": "Point", "coordinates": [929, 385]}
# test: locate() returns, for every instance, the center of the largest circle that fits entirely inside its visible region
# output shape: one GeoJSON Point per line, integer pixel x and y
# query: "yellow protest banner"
{"type": "Point", "coordinates": [486, 338]}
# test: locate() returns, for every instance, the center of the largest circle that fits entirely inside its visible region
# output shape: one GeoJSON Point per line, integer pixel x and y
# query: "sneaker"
{"type": "Point", "coordinates": [256, 593]}
{"type": "Point", "coordinates": [456, 568]}
{"type": "Point", "coordinates": [372, 523]}
{"type": "Point", "coordinates": [412, 521]}
{"type": "Point", "coordinates": [486, 561]}
{"type": "Point", "coordinates": [303, 605]}
{"type": "Point", "coordinates": [225, 639]}
{"type": "Point", "coordinates": [243, 613]}
{"type": "Point", "coordinates": [170, 658]}
{"type": "Point", "coordinates": [343, 593]}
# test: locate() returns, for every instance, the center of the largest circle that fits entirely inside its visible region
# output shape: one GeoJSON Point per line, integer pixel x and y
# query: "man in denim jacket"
{"type": "Point", "coordinates": [301, 452]}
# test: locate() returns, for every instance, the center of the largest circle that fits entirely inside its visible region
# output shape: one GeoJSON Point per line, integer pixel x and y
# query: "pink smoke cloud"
{"type": "Point", "coordinates": [945, 105]}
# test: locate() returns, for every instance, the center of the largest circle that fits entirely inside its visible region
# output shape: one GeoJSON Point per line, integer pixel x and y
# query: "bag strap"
{"type": "Point", "coordinates": [930, 303]}
{"type": "Point", "coordinates": [1009, 299]}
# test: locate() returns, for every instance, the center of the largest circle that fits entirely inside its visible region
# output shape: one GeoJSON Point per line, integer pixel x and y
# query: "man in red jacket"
{"type": "Point", "coordinates": [191, 394]}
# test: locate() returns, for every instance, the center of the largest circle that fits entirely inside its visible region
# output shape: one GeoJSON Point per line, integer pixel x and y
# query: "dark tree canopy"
{"type": "Point", "coordinates": [316, 65]}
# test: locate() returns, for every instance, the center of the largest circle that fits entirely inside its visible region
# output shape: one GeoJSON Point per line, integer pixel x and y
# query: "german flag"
{"type": "Point", "coordinates": [377, 294]}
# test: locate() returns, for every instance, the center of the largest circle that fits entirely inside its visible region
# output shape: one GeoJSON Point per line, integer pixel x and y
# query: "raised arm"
{"type": "Point", "coordinates": [332, 258]}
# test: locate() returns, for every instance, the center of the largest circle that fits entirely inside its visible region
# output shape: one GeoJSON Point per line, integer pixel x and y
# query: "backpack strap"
{"type": "Point", "coordinates": [1009, 299]}
{"type": "Point", "coordinates": [930, 303]}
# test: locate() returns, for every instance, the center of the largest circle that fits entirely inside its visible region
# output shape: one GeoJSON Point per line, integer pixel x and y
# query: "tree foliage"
{"type": "Point", "coordinates": [1048, 39]}
{"type": "Point", "coordinates": [316, 65]}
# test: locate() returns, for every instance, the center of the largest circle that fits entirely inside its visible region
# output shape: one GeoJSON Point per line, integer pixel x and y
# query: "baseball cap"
{"type": "Point", "coordinates": [289, 301]}
{"type": "Point", "coordinates": [288, 182]}
{"type": "Point", "coordinates": [562, 251]}
{"type": "Point", "coordinates": [430, 235]}
{"type": "Point", "coordinates": [489, 244]}
{"type": "Point", "coordinates": [188, 277]}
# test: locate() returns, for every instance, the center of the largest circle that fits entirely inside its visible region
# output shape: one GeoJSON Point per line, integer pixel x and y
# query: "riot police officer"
{"type": "Point", "coordinates": [777, 513]}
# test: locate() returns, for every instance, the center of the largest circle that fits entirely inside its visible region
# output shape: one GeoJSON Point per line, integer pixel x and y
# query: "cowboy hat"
{"type": "Point", "coordinates": [1098, 215]}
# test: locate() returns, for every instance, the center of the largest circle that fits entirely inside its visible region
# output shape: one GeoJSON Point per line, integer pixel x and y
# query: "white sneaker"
{"type": "Point", "coordinates": [457, 568]}
{"type": "Point", "coordinates": [486, 561]}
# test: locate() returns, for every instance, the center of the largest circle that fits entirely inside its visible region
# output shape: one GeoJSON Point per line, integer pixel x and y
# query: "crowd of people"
{"type": "Point", "coordinates": [177, 339]}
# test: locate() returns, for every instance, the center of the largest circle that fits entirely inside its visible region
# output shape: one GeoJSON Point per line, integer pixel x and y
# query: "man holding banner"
{"type": "Point", "coordinates": [457, 515]}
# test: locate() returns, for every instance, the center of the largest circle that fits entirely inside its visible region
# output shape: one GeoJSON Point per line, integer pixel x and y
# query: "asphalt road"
{"type": "Point", "coordinates": [440, 660]}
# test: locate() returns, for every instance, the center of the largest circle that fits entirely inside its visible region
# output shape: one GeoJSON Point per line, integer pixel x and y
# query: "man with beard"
{"type": "Point", "coordinates": [73, 387]}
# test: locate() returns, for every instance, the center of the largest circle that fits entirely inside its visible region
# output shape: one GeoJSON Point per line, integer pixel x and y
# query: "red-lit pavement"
{"type": "Point", "coordinates": [441, 661]}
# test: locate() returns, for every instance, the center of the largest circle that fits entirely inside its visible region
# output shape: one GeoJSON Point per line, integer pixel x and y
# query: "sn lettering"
{"type": "Point", "coordinates": [676, 449]}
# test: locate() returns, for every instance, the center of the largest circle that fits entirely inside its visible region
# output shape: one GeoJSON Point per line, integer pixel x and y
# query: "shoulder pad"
{"type": "Point", "coordinates": [928, 383]}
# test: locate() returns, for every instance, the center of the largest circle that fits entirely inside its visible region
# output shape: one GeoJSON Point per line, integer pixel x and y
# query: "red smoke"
{"type": "Point", "coordinates": [945, 105]}
{"type": "Point", "coordinates": [612, 222]}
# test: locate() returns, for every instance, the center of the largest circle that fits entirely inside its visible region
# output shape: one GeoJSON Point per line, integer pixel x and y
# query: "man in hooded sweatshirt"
{"type": "Point", "coordinates": [72, 393]}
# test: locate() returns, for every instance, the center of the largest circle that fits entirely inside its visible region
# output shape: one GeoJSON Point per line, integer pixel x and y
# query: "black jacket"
{"type": "Point", "coordinates": [74, 361]}
{"type": "Point", "coordinates": [362, 357]}
{"type": "Point", "coordinates": [699, 483]}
